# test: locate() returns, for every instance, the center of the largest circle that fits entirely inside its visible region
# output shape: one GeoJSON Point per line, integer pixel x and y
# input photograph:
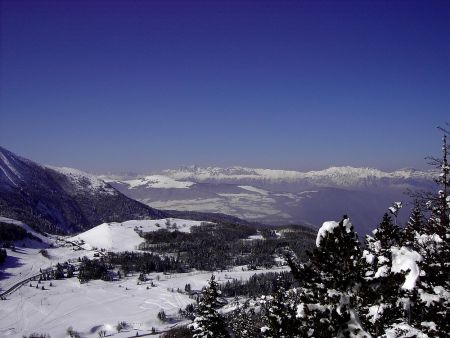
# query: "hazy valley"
{"type": "Point", "coordinates": [278, 197]}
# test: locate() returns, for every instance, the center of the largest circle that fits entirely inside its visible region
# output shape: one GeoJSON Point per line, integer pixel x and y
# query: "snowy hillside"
{"type": "Point", "coordinates": [85, 182]}
{"type": "Point", "coordinates": [61, 200]}
{"type": "Point", "coordinates": [42, 241]}
{"type": "Point", "coordinates": [13, 169]}
{"type": "Point", "coordinates": [124, 236]}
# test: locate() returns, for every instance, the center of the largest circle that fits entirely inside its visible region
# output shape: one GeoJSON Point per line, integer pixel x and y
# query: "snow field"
{"type": "Point", "coordinates": [158, 181]}
{"type": "Point", "coordinates": [96, 305]}
{"type": "Point", "coordinates": [99, 305]}
{"type": "Point", "coordinates": [88, 308]}
{"type": "Point", "coordinates": [123, 236]}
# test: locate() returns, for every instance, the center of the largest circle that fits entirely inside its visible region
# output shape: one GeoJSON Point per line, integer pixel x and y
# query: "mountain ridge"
{"type": "Point", "coordinates": [344, 177]}
{"type": "Point", "coordinates": [61, 200]}
{"type": "Point", "coordinates": [279, 197]}
{"type": "Point", "coordinates": [238, 172]}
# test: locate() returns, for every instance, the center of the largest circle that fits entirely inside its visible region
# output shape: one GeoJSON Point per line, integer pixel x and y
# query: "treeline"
{"type": "Point", "coordinates": [220, 246]}
{"type": "Point", "coordinates": [144, 262]}
{"type": "Point", "coordinates": [258, 284]}
{"type": "Point", "coordinates": [125, 262]}
{"type": "Point", "coordinates": [12, 232]}
{"type": "Point", "coordinates": [210, 217]}
{"type": "Point", "coordinates": [93, 269]}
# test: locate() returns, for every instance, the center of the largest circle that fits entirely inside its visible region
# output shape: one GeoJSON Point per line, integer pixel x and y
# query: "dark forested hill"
{"type": "Point", "coordinates": [61, 200]}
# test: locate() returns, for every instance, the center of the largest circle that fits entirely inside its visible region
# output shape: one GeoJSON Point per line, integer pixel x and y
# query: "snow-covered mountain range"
{"type": "Point", "coordinates": [332, 177]}
{"type": "Point", "coordinates": [277, 196]}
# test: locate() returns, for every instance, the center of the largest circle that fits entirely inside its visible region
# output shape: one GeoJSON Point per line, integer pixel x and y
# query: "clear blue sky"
{"type": "Point", "coordinates": [140, 85]}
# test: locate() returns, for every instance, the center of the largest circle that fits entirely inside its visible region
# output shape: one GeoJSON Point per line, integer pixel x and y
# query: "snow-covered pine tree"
{"type": "Point", "coordinates": [431, 312]}
{"type": "Point", "coordinates": [328, 294]}
{"type": "Point", "coordinates": [439, 205]}
{"type": "Point", "coordinates": [337, 245]}
{"type": "Point", "coordinates": [414, 225]}
{"type": "Point", "coordinates": [381, 288]}
{"type": "Point", "coordinates": [209, 323]}
{"type": "Point", "coordinates": [244, 321]}
{"type": "Point", "coordinates": [280, 313]}
{"type": "Point", "coordinates": [386, 233]}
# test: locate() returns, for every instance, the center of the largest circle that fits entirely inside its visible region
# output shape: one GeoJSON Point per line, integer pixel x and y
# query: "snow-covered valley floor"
{"type": "Point", "coordinates": [97, 305]}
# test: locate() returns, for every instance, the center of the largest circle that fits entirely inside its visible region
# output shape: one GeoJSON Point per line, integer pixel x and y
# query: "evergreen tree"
{"type": "Point", "coordinates": [209, 323]}
{"type": "Point", "coordinates": [426, 237]}
{"type": "Point", "coordinates": [386, 233]}
{"type": "Point", "coordinates": [59, 272]}
{"type": "Point", "coordinates": [244, 321]}
{"type": "Point", "coordinates": [329, 289]}
{"type": "Point", "coordinates": [431, 313]}
{"type": "Point", "coordinates": [379, 307]}
{"type": "Point", "coordinates": [414, 225]}
{"type": "Point", "coordinates": [280, 313]}
{"type": "Point", "coordinates": [439, 204]}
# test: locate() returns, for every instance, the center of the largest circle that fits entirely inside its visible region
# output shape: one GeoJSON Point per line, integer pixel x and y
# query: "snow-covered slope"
{"type": "Point", "coordinates": [124, 236]}
{"type": "Point", "coordinates": [99, 306]}
{"type": "Point", "coordinates": [158, 181]}
{"type": "Point", "coordinates": [61, 199]}
{"type": "Point", "coordinates": [85, 182]}
{"type": "Point", "coordinates": [43, 241]}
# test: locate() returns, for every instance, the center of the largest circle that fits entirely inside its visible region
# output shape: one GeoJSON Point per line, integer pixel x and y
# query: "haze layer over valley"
{"type": "Point", "coordinates": [276, 196]}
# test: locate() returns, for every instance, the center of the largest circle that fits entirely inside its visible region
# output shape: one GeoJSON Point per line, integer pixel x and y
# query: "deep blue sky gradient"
{"type": "Point", "coordinates": [141, 85]}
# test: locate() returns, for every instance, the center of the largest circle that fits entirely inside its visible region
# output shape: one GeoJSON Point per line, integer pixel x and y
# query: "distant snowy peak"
{"type": "Point", "coordinates": [85, 182]}
{"type": "Point", "coordinates": [350, 176]}
{"type": "Point", "coordinates": [334, 176]}
{"type": "Point", "coordinates": [339, 177]}
{"type": "Point", "coordinates": [157, 181]}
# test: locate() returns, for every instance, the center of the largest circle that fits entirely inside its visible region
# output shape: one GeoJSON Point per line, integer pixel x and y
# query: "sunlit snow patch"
{"type": "Point", "coordinates": [329, 227]}
{"type": "Point", "coordinates": [404, 259]}
{"type": "Point", "coordinates": [253, 189]}
{"type": "Point", "coordinates": [158, 181]}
